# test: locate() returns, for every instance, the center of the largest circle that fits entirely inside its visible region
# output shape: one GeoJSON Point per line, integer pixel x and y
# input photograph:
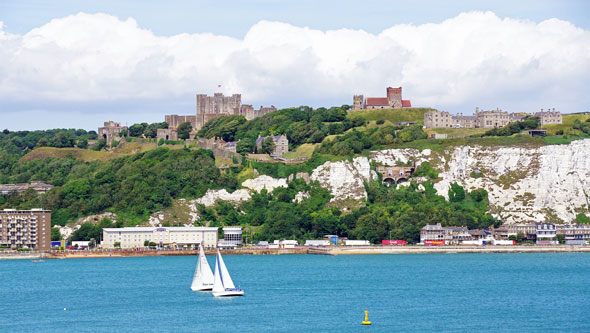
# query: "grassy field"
{"type": "Point", "coordinates": [568, 121]}
{"type": "Point", "coordinates": [392, 115]}
{"type": "Point", "coordinates": [305, 150]}
{"type": "Point", "coordinates": [87, 155]}
{"type": "Point", "coordinates": [456, 132]}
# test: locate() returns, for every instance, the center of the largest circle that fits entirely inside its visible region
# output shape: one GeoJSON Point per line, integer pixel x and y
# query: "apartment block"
{"type": "Point", "coordinates": [26, 228]}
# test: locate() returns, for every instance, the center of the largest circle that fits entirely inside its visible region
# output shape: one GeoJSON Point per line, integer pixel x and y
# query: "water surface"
{"type": "Point", "coordinates": [302, 293]}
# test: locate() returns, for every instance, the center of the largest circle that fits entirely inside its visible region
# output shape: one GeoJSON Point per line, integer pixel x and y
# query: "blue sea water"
{"type": "Point", "coordinates": [302, 293]}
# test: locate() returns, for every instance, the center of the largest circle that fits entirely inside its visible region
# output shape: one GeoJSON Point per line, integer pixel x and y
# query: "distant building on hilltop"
{"type": "Point", "coordinates": [393, 100]}
{"type": "Point", "coordinates": [484, 119]}
{"type": "Point", "coordinates": [110, 130]}
{"type": "Point", "coordinates": [549, 117]}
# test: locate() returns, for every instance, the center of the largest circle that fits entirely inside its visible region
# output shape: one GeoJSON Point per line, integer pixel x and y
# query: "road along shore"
{"type": "Point", "coordinates": [331, 250]}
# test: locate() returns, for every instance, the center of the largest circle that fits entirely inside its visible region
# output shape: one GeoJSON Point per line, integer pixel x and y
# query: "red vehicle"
{"type": "Point", "coordinates": [434, 242]}
{"type": "Point", "coordinates": [394, 242]}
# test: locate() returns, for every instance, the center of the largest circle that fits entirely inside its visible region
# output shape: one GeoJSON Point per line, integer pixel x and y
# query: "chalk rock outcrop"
{"type": "Point", "coordinates": [345, 179]}
{"type": "Point", "coordinates": [264, 182]}
{"type": "Point", "coordinates": [213, 195]}
{"type": "Point", "coordinates": [525, 184]}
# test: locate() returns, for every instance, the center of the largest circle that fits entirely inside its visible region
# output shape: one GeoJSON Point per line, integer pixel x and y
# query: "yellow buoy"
{"type": "Point", "coordinates": [366, 322]}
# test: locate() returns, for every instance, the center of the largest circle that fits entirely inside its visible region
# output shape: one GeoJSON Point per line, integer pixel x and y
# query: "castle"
{"type": "Point", "coordinates": [393, 100]}
{"type": "Point", "coordinates": [208, 108]}
{"type": "Point", "coordinates": [485, 119]}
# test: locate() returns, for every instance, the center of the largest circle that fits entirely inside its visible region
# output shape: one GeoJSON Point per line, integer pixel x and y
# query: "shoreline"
{"type": "Point", "coordinates": [332, 250]}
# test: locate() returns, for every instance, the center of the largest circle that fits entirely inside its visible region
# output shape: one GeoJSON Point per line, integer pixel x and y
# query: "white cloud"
{"type": "Point", "coordinates": [474, 59]}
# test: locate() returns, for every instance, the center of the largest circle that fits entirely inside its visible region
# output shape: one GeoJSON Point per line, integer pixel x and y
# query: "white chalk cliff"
{"type": "Point", "coordinates": [524, 184]}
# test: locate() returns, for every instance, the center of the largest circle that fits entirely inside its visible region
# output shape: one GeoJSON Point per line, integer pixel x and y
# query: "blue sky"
{"type": "Point", "coordinates": [135, 61]}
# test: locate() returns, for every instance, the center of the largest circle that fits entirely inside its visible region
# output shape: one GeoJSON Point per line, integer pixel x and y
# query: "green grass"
{"type": "Point", "coordinates": [568, 120]}
{"type": "Point", "coordinates": [305, 150]}
{"type": "Point", "coordinates": [393, 115]}
{"type": "Point", "coordinates": [456, 132]}
{"type": "Point", "coordinates": [88, 155]}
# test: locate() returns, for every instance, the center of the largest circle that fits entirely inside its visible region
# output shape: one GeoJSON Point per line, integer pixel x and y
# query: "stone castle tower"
{"type": "Point", "coordinates": [394, 97]}
{"type": "Point", "coordinates": [210, 107]}
{"type": "Point", "coordinates": [358, 102]}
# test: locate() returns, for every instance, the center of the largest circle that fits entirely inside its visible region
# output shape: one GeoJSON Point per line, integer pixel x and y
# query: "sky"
{"type": "Point", "coordinates": [76, 64]}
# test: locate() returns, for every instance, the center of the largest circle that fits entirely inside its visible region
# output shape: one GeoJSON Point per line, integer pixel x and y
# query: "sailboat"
{"type": "Point", "coordinates": [223, 284]}
{"type": "Point", "coordinates": [203, 278]}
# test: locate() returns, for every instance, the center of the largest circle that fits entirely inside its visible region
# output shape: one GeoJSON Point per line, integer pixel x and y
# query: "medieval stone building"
{"type": "Point", "coordinates": [211, 107]}
{"type": "Point", "coordinates": [248, 111]}
{"type": "Point", "coordinates": [281, 144]}
{"type": "Point", "coordinates": [393, 100]}
{"type": "Point", "coordinates": [110, 130]}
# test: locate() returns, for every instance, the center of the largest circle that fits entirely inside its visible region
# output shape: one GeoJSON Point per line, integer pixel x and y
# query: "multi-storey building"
{"type": "Point", "coordinates": [110, 130]}
{"type": "Point", "coordinates": [549, 117]}
{"type": "Point", "coordinates": [574, 231]}
{"type": "Point", "coordinates": [393, 100]}
{"type": "Point", "coordinates": [281, 144]}
{"type": "Point", "coordinates": [232, 235]}
{"type": "Point", "coordinates": [546, 233]}
{"type": "Point", "coordinates": [174, 120]}
{"type": "Point", "coordinates": [26, 228]}
{"type": "Point", "coordinates": [248, 111]}
{"type": "Point", "coordinates": [163, 236]}
{"type": "Point", "coordinates": [483, 119]}
{"type": "Point", "coordinates": [528, 230]}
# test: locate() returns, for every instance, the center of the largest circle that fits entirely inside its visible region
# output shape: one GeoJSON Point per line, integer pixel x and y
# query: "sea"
{"type": "Point", "coordinates": [302, 293]}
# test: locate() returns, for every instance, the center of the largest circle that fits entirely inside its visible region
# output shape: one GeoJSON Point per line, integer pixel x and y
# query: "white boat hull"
{"type": "Point", "coordinates": [202, 288]}
{"type": "Point", "coordinates": [228, 293]}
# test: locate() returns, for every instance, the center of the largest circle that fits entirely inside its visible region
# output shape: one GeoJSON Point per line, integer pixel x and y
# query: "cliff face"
{"type": "Point", "coordinates": [524, 184]}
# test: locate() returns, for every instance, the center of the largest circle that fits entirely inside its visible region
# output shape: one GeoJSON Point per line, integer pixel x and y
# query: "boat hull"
{"type": "Point", "coordinates": [228, 293]}
{"type": "Point", "coordinates": [202, 288]}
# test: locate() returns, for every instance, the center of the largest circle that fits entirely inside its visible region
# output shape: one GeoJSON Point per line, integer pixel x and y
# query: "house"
{"type": "Point", "coordinates": [281, 144]}
{"type": "Point", "coordinates": [546, 233]}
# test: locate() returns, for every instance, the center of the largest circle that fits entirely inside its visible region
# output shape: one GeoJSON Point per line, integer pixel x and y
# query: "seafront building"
{"type": "Point", "coordinates": [281, 144]}
{"type": "Point", "coordinates": [163, 236]}
{"type": "Point", "coordinates": [26, 229]}
{"type": "Point", "coordinates": [232, 235]}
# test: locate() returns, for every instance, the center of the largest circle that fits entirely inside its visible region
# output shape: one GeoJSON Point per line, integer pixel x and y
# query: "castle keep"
{"type": "Point", "coordinates": [393, 100]}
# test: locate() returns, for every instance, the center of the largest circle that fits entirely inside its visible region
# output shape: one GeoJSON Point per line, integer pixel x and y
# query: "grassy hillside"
{"type": "Point", "coordinates": [568, 121]}
{"type": "Point", "coordinates": [392, 115]}
{"type": "Point", "coordinates": [87, 155]}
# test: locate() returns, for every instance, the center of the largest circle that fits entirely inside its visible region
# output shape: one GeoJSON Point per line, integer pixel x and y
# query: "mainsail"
{"type": "Point", "coordinates": [203, 278]}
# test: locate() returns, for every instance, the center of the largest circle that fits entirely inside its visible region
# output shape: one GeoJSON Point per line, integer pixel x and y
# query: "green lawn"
{"type": "Point", "coordinates": [305, 150]}
{"type": "Point", "coordinates": [393, 115]}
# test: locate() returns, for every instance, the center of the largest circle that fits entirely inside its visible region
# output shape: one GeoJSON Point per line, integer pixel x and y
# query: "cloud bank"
{"type": "Point", "coordinates": [473, 59]}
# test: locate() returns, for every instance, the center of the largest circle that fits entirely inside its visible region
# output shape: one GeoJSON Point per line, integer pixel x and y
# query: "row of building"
{"type": "Point", "coordinates": [39, 187]}
{"type": "Point", "coordinates": [541, 233]}
{"type": "Point", "coordinates": [486, 119]}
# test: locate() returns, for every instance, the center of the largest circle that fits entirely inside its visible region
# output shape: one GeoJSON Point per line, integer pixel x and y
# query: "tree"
{"type": "Point", "coordinates": [136, 130]}
{"type": "Point", "coordinates": [82, 143]}
{"type": "Point", "coordinates": [245, 145]}
{"type": "Point", "coordinates": [55, 234]}
{"type": "Point", "coordinates": [146, 243]}
{"type": "Point", "coordinates": [123, 133]}
{"type": "Point", "coordinates": [100, 145]}
{"type": "Point", "coordinates": [268, 145]}
{"type": "Point", "coordinates": [117, 244]}
{"type": "Point", "coordinates": [456, 193]}
{"type": "Point", "coordinates": [560, 238]}
{"type": "Point", "coordinates": [184, 130]}
{"type": "Point", "coordinates": [92, 243]}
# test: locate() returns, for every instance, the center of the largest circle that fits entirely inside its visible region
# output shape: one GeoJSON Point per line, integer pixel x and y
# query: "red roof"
{"type": "Point", "coordinates": [378, 101]}
{"type": "Point", "coordinates": [406, 103]}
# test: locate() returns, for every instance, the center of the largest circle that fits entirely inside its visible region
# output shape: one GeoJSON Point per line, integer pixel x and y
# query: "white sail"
{"type": "Point", "coordinates": [217, 283]}
{"type": "Point", "coordinates": [225, 278]}
{"type": "Point", "coordinates": [203, 277]}
{"type": "Point", "coordinates": [223, 284]}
